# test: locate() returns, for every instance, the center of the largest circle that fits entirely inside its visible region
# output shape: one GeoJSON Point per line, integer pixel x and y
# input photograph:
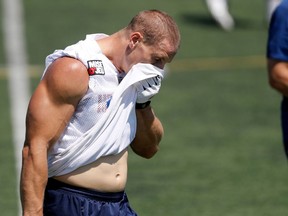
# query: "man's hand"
{"type": "Point", "coordinates": [147, 88]}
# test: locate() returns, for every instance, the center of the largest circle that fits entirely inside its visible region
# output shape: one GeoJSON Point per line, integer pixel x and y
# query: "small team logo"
{"type": "Point", "coordinates": [95, 67]}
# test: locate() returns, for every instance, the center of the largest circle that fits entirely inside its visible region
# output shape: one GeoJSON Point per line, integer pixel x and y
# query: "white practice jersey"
{"type": "Point", "coordinates": [104, 78]}
{"type": "Point", "coordinates": [104, 122]}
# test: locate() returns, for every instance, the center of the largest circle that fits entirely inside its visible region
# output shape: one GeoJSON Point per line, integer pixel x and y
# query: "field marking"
{"type": "Point", "coordinates": [18, 80]}
{"type": "Point", "coordinates": [34, 71]}
{"type": "Point", "coordinates": [182, 65]}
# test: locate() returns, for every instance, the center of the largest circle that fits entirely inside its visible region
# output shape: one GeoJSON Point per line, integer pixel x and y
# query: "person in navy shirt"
{"type": "Point", "coordinates": [277, 61]}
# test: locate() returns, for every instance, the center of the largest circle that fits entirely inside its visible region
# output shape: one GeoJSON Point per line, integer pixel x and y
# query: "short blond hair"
{"type": "Point", "coordinates": [155, 26]}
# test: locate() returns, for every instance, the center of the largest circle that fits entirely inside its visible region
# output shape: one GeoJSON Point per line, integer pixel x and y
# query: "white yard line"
{"type": "Point", "coordinates": [13, 29]}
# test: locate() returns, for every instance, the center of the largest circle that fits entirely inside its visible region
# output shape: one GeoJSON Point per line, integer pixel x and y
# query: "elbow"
{"type": "Point", "coordinates": [26, 152]}
{"type": "Point", "coordinates": [146, 153]}
{"type": "Point", "coordinates": [278, 76]}
{"type": "Point", "coordinates": [149, 154]}
{"type": "Point", "coordinates": [279, 84]}
{"type": "Point", "coordinates": [273, 84]}
{"type": "Point", "coordinates": [145, 148]}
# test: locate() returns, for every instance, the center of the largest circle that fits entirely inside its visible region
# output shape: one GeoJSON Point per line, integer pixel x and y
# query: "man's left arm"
{"type": "Point", "coordinates": [149, 133]}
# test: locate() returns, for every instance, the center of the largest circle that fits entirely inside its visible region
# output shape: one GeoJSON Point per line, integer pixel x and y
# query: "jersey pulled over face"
{"type": "Point", "coordinates": [158, 55]}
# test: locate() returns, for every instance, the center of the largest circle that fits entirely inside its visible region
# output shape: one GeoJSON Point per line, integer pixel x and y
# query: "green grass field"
{"type": "Point", "coordinates": [222, 153]}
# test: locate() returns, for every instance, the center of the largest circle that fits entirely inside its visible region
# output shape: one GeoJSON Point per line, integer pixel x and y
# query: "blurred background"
{"type": "Point", "coordinates": [222, 152]}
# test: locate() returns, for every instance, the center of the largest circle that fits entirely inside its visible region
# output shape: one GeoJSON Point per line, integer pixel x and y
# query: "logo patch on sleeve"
{"type": "Point", "coordinates": [95, 67]}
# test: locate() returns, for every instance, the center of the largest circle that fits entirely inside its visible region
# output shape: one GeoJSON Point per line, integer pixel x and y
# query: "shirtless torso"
{"type": "Point", "coordinates": [107, 174]}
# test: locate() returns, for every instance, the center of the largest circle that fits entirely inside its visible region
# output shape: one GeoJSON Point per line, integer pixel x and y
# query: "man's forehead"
{"type": "Point", "coordinates": [167, 52]}
{"type": "Point", "coordinates": [168, 47]}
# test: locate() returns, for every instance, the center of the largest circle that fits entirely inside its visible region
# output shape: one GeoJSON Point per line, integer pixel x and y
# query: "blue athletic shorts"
{"type": "Point", "coordinates": [65, 200]}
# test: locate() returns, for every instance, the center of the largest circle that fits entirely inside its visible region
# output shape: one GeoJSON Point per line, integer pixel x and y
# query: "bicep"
{"type": "Point", "coordinates": [46, 118]}
{"type": "Point", "coordinates": [55, 99]}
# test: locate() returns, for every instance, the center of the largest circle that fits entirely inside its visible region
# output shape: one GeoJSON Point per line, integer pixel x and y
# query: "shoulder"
{"type": "Point", "coordinates": [280, 14]}
{"type": "Point", "coordinates": [282, 9]}
{"type": "Point", "coordinates": [277, 43]}
{"type": "Point", "coordinates": [66, 78]}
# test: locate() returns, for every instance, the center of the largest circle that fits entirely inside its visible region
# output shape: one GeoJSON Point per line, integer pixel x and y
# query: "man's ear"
{"type": "Point", "coordinates": [135, 38]}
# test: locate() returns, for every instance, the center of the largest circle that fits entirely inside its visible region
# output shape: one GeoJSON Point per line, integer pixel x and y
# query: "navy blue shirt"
{"type": "Point", "coordinates": [277, 46]}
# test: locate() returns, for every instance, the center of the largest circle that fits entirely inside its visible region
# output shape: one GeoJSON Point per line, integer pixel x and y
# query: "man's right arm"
{"type": "Point", "coordinates": [50, 108]}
